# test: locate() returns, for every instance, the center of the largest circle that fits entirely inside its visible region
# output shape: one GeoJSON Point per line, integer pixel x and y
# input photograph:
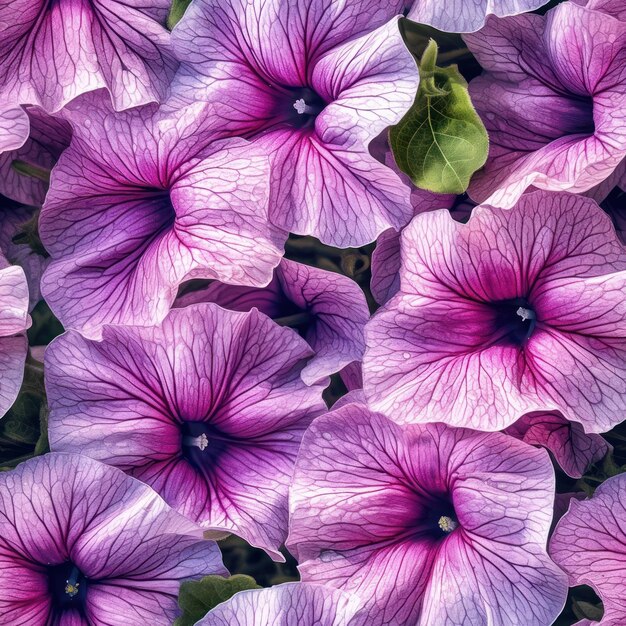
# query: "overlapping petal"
{"type": "Point", "coordinates": [588, 544]}
{"type": "Point", "coordinates": [141, 202]}
{"type": "Point", "coordinates": [516, 311]}
{"type": "Point", "coordinates": [208, 408]}
{"type": "Point", "coordinates": [328, 310]}
{"type": "Point", "coordinates": [552, 99]}
{"type": "Point", "coordinates": [386, 256]}
{"type": "Point", "coordinates": [427, 524]}
{"type": "Point", "coordinates": [574, 450]}
{"type": "Point", "coordinates": [47, 137]}
{"type": "Point", "coordinates": [290, 604]}
{"type": "Point", "coordinates": [313, 83]}
{"type": "Point", "coordinates": [69, 516]}
{"type": "Point", "coordinates": [53, 52]}
{"type": "Point", "coordinates": [463, 16]}
{"type": "Point", "coordinates": [13, 127]}
{"type": "Point", "coordinates": [14, 321]}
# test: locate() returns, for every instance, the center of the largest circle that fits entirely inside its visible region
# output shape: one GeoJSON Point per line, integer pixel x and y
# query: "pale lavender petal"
{"type": "Point", "coordinates": [465, 16]}
{"type": "Point", "coordinates": [14, 316]}
{"type": "Point", "coordinates": [47, 138]}
{"type": "Point", "coordinates": [328, 309]}
{"type": "Point", "coordinates": [386, 256]}
{"type": "Point", "coordinates": [14, 321]}
{"type": "Point", "coordinates": [352, 376]}
{"type": "Point", "coordinates": [346, 198]}
{"type": "Point", "coordinates": [420, 521]}
{"type": "Point", "coordinates": [289, 604]}
{"type": "Point", "coordinates": [574, 450]}
{"type": "Point", "coordinates": [13, 128]}
{"type": "Point", "coordinates": [615, 8]}
{"type": "Point", "coordinates": [339, 313]}
{"type": "Point", "coordinates": [55, 52]}
{"type": "Point", "coordinates": [588, 544]}
{"type": "Point", "coordinates": [208, 408]}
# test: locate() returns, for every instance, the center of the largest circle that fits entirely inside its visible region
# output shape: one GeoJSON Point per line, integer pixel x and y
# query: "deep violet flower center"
{"type": "Point", "coordinates": [202, 444]}
{"type": "Point", "coordinates": [437, 518]}
{"type": "Point", "coordinates": [579, 118]}
{"type": "Point", "coordinates": [68, 586]}
{"type": "Point", "coordinates": [305, 105]}
{"type": "Point", "coordinates": [447, 523]}
{"type": "Point", "coordinates": [515, 320]}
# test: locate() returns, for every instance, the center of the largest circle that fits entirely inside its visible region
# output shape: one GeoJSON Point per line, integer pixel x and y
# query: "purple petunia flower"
{"type": "Point", "coordinates": [516, 311]}
{"type": "Point", "coordinates": [14, 321]}
{"type": "Point", "coordinates": [427, 524]}
{"type": "Point", "coordinates": [589, 544]}
{"type": "Point", "coordinates": [463, 16]}
{"type": "Point", "coordinates": [328, 310]}
{"type": "Point", "coordinates": [81, 544]}
{"type": "Point", "coordinates": [54, 51]}
{"type": "Point", "coordinates": [208, 408]}
{"type": "Point", "coordinates": [141, 202]}
{"type": "Point", "coordinates": [314, 83]}
{"type": "Point", "coordinates": [289, 604]}
{"type": "Point", "coordinates": [573, 449]}
{"type": "Point", "coordinates": [553, 98]}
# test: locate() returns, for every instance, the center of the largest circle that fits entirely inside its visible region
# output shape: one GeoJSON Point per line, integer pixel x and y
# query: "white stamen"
{"type": "Point", "coordinates": [526, 314]}
{"type": "Point", "coordinates": [202, 441]}
{"type": "Point", "coordinates": [447, 524]}
{"type": "Point", "coordinates": [302, 107]}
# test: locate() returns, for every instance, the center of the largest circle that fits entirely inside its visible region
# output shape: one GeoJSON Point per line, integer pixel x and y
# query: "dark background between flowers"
{"type": "Point", "coordinates": [23, 429]}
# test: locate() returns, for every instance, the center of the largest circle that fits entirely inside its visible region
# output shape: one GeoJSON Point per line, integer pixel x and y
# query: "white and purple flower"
{"type": "Point", "coordinates": [552, 97]}
{"type": "Point", "coordinates": [208, 408]}
{"type": "Point", "coordinates": [82, 543]}
{"type": "Point", "coordinates": [427, 524]}
{"type": "Point", "coordinates": [516, 311]}
{"type": "Point", "coordinates": [313, 83]}
{"type": "Point", "coordinates": [589, 543]}
{"type": "Point", "coordinates": [142, 201]}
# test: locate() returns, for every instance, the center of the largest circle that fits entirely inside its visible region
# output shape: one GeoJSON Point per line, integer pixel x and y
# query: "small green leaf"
{"type": "Point", "coordinates": [177, 10]}
{"type": "Point", "coordinates": [441, 141]}
{"type": "Point", "coordinates": [197, 598]}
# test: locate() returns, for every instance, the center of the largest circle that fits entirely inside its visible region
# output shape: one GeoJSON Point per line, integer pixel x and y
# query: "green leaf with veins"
{"type": "Point", "coordinates": [177, 10]}
{"type": "Point", "coordinates": [441, 141]}
{"type": "Point", "coordinates": [198, 597]}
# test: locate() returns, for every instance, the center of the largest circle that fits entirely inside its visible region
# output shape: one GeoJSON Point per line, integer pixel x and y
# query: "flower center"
{"type": "Point", "coordinates": [514, 320]}
{"type": "Point", "coordinates": [202, 444]}
{"type": "Point", "coordinates": [305, 106]}
{"type": "Point", "coordinates": [67, 586]}
{"type": "Point", "coordinates": [447, 524]}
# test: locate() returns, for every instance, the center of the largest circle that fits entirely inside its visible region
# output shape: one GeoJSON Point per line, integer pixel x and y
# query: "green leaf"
{"type": "Point", "coordinates": [198, 597]}
{"type": "Point", "coordinates": [441, 141]}
{"type": "Point", "coordinates": [177, 10]}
